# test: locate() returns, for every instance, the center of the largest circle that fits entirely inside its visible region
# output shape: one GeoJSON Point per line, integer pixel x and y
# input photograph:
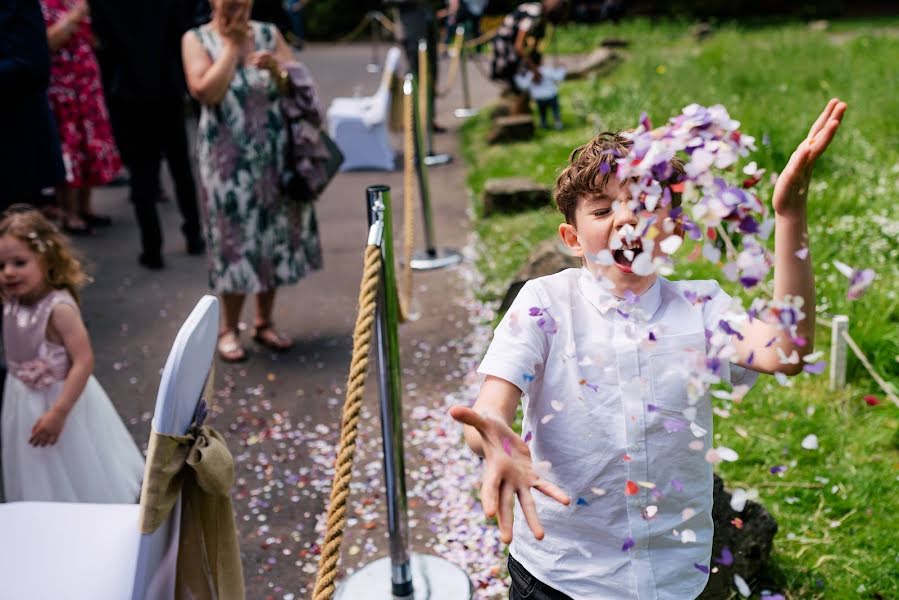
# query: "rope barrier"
{"type": "Point", "coordinates": [340, 489]}
{"type": "Point", "coordinates": [456, 52]}
{"type": "Point", "coordinates": [376, 16]}
{"type": "Point", "coordinates": [884, 385]}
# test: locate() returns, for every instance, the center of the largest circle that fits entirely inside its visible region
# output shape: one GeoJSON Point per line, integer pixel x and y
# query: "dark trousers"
{"type": "Point", "coordinates": [146, 132]}
{"type": "Point", "coordinates": [544, 106]}
{"type": "Point", "coordinates": [527, 587]}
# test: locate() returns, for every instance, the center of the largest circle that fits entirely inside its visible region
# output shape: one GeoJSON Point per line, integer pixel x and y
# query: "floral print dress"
{"type": "Point", "coordinates": [258, 239]}
{"type": "Point", "coordinates": [76, 97]}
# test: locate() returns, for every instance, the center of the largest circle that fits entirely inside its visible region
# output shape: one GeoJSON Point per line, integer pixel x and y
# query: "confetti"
{"type": "Point", "coordinates": [630, 488]}
{"type": "Point", "coordinates": [738, 500]}
{"type": "Point", "coordinates": [810, 442]}
{"type": "Point", "coordinates": [742, 586]}
{"type": "Point", "coordinates": [598, 491]}
{"type": "Point", "coordinates": [687, 536]}
{"type": "Point", "coordinates": [871, 400]}
{"type": "Point", "coordinates": [628, 544]}
{"type": "Point", "coordinates": [507, 448]}
{"type": "Point", "coordinates": [581, 502]}
{"type": "Point", "coordinates": [859, 280]}
{"type": "Point", "coordinates": [727, 557]}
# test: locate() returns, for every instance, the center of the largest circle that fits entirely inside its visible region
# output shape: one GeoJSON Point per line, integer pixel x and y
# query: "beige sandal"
{"type": "Point", "coordinates": [265, 334]}
{"type": "Point", "coordinates": [229, 347]}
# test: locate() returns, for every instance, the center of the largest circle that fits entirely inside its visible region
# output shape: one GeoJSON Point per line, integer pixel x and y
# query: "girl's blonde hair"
{"type": "Point", "coordinates": [62, 269]}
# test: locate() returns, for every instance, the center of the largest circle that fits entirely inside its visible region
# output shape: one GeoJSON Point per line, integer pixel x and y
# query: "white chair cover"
{"type": "Point", "coordinates": [359, 125]}
{"type": "Point", "coordinates": [52, 550]}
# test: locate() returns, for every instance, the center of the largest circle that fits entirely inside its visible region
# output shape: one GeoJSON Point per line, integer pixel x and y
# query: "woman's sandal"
{"type": "Point", "coordinates": [229, 347]}
{"type": "Point", "coordinates": [266, 335]}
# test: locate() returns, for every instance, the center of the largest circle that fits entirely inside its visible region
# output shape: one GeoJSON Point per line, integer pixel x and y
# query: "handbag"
{"type": "Point", "coordinates": [311, 159]}
{"type": "Point", "coordinates": [308, 184]}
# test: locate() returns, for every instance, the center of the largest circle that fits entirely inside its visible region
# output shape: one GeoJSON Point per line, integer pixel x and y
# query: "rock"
{"type": "Point", "coordinates": [601, 59]}
{"type": "Point", "coordinates": [513, 195]}
{"type": "Point", "coordinates": [514, 128]}
{"type": "Point", "coordinates": [500, 109]}
{"type": "Point", "coordinates": [547, 258]}
{"type": "Point", "coordinates": [701, 31]}
{"type": "Point", "coordinates": [751, 546]}
{"type": "Point", "coordinates": [819, 25]}
{"type": "Point", "coordinates": [614, 43]}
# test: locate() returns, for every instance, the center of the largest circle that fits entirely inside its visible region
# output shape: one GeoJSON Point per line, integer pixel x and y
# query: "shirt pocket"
{"type": "Point", "coordinates": [671, 362]}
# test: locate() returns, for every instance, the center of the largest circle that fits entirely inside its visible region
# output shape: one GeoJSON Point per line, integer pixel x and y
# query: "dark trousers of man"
{"type": "Point", "coordinates": [545, 106]}
{"type": "Point", "coordinates": [410, 46]}
{"type": "Point", "coordinates": [145, 132]}
{"type": "Point", "coordinates": [527, 587]}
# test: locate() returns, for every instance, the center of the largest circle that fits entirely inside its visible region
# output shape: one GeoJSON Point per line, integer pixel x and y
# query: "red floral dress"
{"type": "Point", "coordinates": [76, 96]}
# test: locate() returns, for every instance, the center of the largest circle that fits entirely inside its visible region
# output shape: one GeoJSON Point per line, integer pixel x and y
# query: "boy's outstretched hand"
{"type": "Point", "coordinates": [791, 189]}
{"type": "Point", "coordinates": [509, 471]}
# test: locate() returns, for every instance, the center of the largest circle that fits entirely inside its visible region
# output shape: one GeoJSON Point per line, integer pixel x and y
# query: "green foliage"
{"type": "Point", "coordinates": [837, 539]}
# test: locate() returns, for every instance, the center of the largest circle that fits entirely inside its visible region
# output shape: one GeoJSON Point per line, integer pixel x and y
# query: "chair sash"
{"type": "Point", "coordinates": [199, 467]}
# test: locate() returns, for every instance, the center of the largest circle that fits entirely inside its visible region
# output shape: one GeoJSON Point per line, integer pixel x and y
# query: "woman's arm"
{"type": "Point", "coordinates": [59, 34]}
{"type": "Point", "coordinates": [208, 81]}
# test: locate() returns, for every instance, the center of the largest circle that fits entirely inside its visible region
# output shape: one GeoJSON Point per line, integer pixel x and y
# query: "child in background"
{"type": "Point", "coordinates": [542, 83]}
{"type": "Point", "coordinates": [62, 438]}
{"type": "Point", "coordinates": [603, 354]}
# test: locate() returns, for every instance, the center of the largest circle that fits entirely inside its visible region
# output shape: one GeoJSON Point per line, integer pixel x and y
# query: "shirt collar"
{"type": "Point", "coordinates": [645, 305]}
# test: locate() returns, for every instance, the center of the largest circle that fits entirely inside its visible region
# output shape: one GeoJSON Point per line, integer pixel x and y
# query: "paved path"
{"type": "Point", "coordinates": [280, 413]}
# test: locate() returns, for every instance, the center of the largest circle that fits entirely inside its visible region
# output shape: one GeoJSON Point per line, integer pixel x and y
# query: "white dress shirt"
{"type": "Point", "coordinates": [610, 422]}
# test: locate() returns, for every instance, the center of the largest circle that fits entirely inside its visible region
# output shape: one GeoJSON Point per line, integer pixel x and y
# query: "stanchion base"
{"type": "Point", "coordinates": [433, 578]}
{"type": "Point", "coordinates": [464, 113]}
{"type": "Point", "coordinates": [372, 68]}
{"type": "Point", "coordinates": [435, 160]}
{"type": "Point", "coordinates": [442, 257]}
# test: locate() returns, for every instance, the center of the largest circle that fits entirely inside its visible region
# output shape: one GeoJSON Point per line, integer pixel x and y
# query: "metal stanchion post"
{"type": "Point", "coordinates": [375, 65]}
{"type": "Point", "coordinates": [839, 326]}
{"type": "Point", "coordinates": [466, 110]}
{"type": "Point", "coordinates": [426, 108]}
{"type": "Point", "coordinates": [415, 576]}
{"type": "Point", "coordinates": [432, 257]}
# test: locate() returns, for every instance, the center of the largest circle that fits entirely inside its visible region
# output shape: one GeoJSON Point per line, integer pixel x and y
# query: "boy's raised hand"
{"type": "Point", "coordinates": [791, 189]}
{"type": "Point", "coordinates": [509, 471]}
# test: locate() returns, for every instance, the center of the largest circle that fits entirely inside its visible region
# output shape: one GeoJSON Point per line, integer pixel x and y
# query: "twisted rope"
{"type": "Point", "coordinates": [386, 23]}
{"type": "Point", "coordinates": [456, 52]}
{"type": "Point", "coordinates": [340, 488]}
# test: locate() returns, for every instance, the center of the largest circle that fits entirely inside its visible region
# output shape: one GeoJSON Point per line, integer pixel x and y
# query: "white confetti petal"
{"type": "Point", "coordinates": [810, 442]}
{"type": "Point", "coordinates": [738, 500]}
{"type": "Point", "coordinates": [727, 454]}
{"type": "Point", "coordinates": [670, 244]}
{"type": "Point", "coordinates": [687, 536]}
{"type": "Point", "coordinates": [742, 586]}
{"type": "Point", "coordinates": [557, 406]}
{"type": "Point", "coordinates": [547, 418]}
{"type": "Point", "coordinates": [697, 430]}
{"type": "Point", "coordinates": [598, 491]}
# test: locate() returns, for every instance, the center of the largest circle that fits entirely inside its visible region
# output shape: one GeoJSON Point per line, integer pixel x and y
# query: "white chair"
{"type": "Point", "coordinates": [51, 550]}
{"type": "Point", "coordinates": [359, 125]}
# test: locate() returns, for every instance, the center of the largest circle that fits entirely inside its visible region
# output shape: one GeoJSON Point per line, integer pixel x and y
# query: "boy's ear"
{"type": "Point", "coordinates": [570, 238]}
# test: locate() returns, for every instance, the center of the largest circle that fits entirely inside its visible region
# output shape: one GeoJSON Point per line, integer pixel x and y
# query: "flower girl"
{"type": "Point", "coordinates": [61, 437]}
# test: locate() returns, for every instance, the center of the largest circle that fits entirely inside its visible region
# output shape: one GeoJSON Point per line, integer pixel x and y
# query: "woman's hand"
{"type": "Point", "coordinates": [791, 189]}
{"type": "Point", "coordinates": [78, 12]}
{"type": "Point", "coordinates": [236, 26]}
{"type": "Point", "coordinates": [47, 429]}
{"type": "Point", "coordinates": [508, 472]}
{"type": "Point", "coordinates": [263, 59]}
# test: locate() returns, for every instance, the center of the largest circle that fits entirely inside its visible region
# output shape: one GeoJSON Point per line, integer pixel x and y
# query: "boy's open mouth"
{"type": "Point", "coordinates": [624, 256]}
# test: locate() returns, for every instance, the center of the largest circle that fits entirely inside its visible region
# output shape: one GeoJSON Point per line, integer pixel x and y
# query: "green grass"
{"type": "Point", "coordinates": [839, 538]}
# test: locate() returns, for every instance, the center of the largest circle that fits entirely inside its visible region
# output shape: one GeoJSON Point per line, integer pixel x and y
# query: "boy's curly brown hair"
{"type": "Point", "coordinates": [62, 268]}
{"type": "Point", "coordinates": [586, 175]}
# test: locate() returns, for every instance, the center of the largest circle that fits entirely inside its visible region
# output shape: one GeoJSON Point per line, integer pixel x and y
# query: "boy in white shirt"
{"type": "Point", "coordinates": [542, 84]}
{"type": "Point", "coordinates": [612, 441]}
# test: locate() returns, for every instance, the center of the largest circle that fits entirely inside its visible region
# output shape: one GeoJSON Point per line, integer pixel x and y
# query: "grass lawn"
{"type": "Point", "coordinates": [836, 506]}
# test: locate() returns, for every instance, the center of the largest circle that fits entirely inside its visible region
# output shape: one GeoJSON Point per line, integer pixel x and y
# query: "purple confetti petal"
{"type": "Point", "coordinates": [701, 568]}
{"type": "Point", "coordinates": [628, 544]}
{"type": "Point", "coordinates": [507, 447]}
{"type": "Point", "coordinates": [677, 485]}
{"type": "Point", "coordinates": [727, 557]}
{"type": "Point", "coordinates": [815, 368]}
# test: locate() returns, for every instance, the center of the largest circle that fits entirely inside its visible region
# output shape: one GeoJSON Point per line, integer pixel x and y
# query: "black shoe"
{"type": "Point", "coordinates": [438, 128]}
{"type": "Point", "coordinates": [196, 245]}
{"type": "Point", "coordinates": [95, 220]}
{"type": "Point", "coordinates": [153, 262]}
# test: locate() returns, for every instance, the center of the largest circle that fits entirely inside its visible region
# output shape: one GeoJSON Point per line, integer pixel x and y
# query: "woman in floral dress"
{"type": "Point", "coordinates": [76, 97]}
{"type": "Point", "coordinates": [258, 239]}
